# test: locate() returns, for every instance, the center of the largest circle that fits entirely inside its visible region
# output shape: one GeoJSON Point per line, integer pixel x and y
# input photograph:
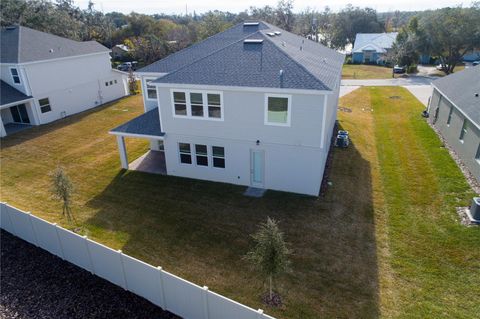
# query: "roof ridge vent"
{"type": "Point", "coordinates": [277, 32]}
{"type": "Point", "coordinates": [251, 24]}
{"type": "Point", "coordinates": [253, 41]}
{"type": "Point", "coordinates": [11, 27]}
{"type": "Point", "coordinates": [271, 34]}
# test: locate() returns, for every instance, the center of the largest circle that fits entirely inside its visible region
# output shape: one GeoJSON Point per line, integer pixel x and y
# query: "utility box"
{"type": "Point", "coordinates": [475, 208]}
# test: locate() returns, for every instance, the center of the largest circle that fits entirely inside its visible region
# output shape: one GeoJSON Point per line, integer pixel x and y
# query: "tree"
{"type": "Point", "coordinates": [62, 189]}
{"type": "Point", "coordinates": [284, 15]}
{"type": "Point", "coordinates": [132, 82]}
{"type": "Point", "coordinates": [447, 34]}
{"type": "Point", "coordinates": [450, 34]}
{"type": "Point", "coordinates": [352, 20]}
{"type": "Point", "coordinates": [404, 50]}
{"type": "Point", "coordinates": [270, 254]}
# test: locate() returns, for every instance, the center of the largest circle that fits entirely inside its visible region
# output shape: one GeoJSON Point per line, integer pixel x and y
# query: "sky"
{"type": "Point", "coordinates": [180, 6]}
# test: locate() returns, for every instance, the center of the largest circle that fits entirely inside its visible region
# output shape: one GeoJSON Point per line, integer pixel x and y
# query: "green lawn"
{"type": "Point", "coordinates": [362, 72]}
{"type": "Point", "coordinates": [383, 242]}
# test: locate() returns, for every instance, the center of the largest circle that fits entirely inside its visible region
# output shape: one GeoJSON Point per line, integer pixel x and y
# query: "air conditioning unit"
{"type": "Point", "coordinates": [475, 209]}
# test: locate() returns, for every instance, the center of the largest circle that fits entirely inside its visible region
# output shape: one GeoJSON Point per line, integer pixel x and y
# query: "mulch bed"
{"type": "Point", "coordinates": [37, 284]}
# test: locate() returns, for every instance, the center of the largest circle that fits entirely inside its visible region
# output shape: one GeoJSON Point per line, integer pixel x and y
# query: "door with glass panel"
{"type": "Point", "coordinates": [20, 114]}
{"type": "Point", "coordinates": [257, 168]}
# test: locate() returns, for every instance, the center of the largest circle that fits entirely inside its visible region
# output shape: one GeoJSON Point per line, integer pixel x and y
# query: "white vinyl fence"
{"type": "Point", "coordinates": [168, 291]}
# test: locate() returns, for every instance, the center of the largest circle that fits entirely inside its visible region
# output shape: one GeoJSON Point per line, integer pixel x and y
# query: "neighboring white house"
{"type": "Point", "coordinates": [254, 105]}
{"type": "Point", "coordinates": [372, 47]}
{"type": "Point", "coordinates": [45, 77]}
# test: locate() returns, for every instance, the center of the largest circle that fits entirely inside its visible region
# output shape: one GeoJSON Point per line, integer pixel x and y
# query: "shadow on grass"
{"type": "Point", "coordinates": [200, 230]}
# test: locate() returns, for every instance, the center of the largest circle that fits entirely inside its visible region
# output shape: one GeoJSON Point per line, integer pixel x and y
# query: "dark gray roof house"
{"type": "Point", "coordinates": [28, 45]}
{"type": "Point", "coordinates": [252, 56]}
{"type": "Point", "coordinates": [455, 111]}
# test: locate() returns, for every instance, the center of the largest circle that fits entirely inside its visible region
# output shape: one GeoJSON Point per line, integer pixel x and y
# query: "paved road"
{"type": "Point", "coordinates": [419, 86]}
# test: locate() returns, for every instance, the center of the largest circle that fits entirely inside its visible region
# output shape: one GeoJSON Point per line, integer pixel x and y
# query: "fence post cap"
{"type": "Point", "coordinates": [260, 311]}
{"type": "Point", "coordinates": [205, 288]}
{"type": "Point", "coordinates": [159, 267]}
{"type": "Point", "coordinates": [84, 236]}
{"type": "Point", "coordinates": [119, 251]}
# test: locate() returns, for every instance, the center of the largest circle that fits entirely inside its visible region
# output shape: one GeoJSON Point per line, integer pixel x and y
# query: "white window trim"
{"type": "Point", "coordinates": [208, 156]}
{"type": "Point", "coordinates": [179, 154]}
{"type": "Point", "coordinates": [146, 88]}
{"type": "Point", "coordinates": [289, 113]}
{"type": "Point", "coordinates": [224, 156]}
{"type": "Point", "coordinates": [205, 105]}
{"type": "Point", "coordinates": [18, 74]}
{"type": "Point", "coordinates": [40, 105]}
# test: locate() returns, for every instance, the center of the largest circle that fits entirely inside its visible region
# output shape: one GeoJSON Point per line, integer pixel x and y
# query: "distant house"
{"type": "Point", "coordinates": [120, 51]}
{"type": "Point", "coordinates": [45, 77]}
{"type": "Point", "coordinates": [253, 105]}
{"type": "Point", "coordinates": [455, 111]}
{"type": "Point", "coordinates": [372, 47]}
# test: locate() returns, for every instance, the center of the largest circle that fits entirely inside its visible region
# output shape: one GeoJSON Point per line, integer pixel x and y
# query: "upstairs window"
{"type": "Point", "coordinates": [463, 132]}
{"type": "Point", "coordinates": [197, 104]}
{"type": "Point", "coordinates": [151, 90]}
{"type": "Point", "coordinates": [214, 105]}
{"type": "Point", "coordinates": [180, 103]}
{"type": "Point", "coordinates": [277, 110]}
{"type": "Point", "coordinates": [15, 76]}
{"type": "Point", "coordinates": [45, 105]}
{"type": "Point", "coordinates": [185, 153]}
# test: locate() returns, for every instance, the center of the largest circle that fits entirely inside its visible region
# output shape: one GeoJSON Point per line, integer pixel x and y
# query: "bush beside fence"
{"type": "Point", "coordinates": [163, 289]}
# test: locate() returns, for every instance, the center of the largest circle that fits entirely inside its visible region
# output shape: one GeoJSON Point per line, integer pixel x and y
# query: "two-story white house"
{"type": "Point", "coordinates": [254, 105]}
{"type": "Point", "coordinates": [45, 77]}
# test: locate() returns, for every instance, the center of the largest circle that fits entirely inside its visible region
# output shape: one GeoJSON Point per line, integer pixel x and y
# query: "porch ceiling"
{"type": "Point", "coordinates": [146, 125]}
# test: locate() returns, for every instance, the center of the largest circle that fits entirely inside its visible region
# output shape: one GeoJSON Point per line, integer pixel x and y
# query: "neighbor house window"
{"type": "Point", "coordinates": [151, 90]}
{"type": "Point", "coordinates": [201, 154]}
{"type": "Point", "coordinates": [45, 105]}
{"type": "Point", "coordinates": [185, 153]}
{"type": "Point", "coordinates": [277, 110]}
{"type": "Point", "coordinates": [15, 76]}
{"type": "Point", "coordinates": [477, 155]}
{"type": "Point", "coordinates": [180, 103]}
{"type": "Point", "coordinates": [218, 155]}
{"type": "Point", "coordinates": [196, 104]}
{"type": "Point", "coordinates": [214, 105]}
{"type": "Point", "coordinates": [463, 132]}
{"type": "Point", "coordinates": [449, 119]}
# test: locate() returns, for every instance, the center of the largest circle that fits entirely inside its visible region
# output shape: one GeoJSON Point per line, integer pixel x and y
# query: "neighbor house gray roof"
{"type": "Point", "coordinates": [226, 59]}
{"type": "Point", "coordinates": [22, 44]}
{"type": "Point", "coordinates": [9, 94]}
{"type": "Point", "coordinates": [146, 124]}
{"type": "Point", "coordinates": [463, 89]}
{"type": "Point", "coordinates": [378, 42]}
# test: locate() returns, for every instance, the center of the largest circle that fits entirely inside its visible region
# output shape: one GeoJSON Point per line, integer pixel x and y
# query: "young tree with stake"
{"type": "Point", "coordinates": [270, 254]}
{"type": "Point", "coordinates": [62, 189]}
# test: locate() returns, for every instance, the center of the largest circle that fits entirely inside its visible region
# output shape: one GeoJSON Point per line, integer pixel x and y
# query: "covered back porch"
{"type": "Point", "coordinates": [146, 126]}
{"type": "Point", "coordinates": [16, 110]}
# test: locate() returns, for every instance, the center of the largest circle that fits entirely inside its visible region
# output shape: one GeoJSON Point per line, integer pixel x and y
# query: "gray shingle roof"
{"type": "Point", "coordinates": [146, 124]}
{"type": "Point", "coordinates": [9, 94]}
{"type": "Point", "coordinates": [378, 42]}
{"type": "Point", "coordinates": [460, 88]}
{"type": "Point", "coordinates": [224, 59]}
{"type": "Point", "coordinates": [22, 44]}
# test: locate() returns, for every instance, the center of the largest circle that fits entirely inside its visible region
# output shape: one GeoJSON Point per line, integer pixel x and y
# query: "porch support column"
{"type": "Point", "coordinates": [123, 151]}
{"type": "Point", "coordinates": [3, 132]}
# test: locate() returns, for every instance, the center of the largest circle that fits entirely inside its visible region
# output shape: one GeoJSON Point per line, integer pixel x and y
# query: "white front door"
{"type": "Point", "coordinates": [257, 168]}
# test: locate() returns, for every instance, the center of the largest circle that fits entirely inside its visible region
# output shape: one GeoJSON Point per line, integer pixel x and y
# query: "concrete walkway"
{"type": "Point", "coordinates": [419, 86]}
{"type": "Point", "coordinates": [151, 162]}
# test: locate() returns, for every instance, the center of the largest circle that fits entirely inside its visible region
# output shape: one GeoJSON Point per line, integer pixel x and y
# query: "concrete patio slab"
{"type": "Point", "coordinates": [151, 162]}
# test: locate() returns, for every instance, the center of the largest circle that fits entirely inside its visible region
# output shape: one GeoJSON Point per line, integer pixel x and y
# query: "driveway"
{"type": "Point", "coordinates": [419, 86]}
